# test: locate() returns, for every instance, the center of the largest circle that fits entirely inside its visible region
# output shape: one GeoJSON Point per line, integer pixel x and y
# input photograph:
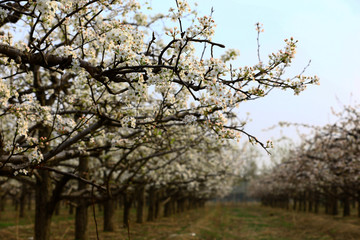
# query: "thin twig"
{"type": "Point", "coordinates": [94, 214]}
{"type": "Point", "coordinates": [258, 40]}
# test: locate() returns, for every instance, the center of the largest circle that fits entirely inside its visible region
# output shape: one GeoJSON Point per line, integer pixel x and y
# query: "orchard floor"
{"type": "Point", "coordinates": [214, 222]}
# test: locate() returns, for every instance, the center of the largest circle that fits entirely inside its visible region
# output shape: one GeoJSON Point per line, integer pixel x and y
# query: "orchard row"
{"type": "Point", "coordinates": [323, 171]}
{"type": "Point", "coordinates": [100, 99]}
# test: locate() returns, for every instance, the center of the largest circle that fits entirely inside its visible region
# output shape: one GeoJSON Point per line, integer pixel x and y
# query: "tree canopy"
{"type": "Point", "coordinates": [146, 104]}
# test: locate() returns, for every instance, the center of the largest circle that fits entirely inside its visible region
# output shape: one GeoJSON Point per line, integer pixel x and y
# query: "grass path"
{"type": "Point", "coordinates": [215, 222]}
{"type": "Point", "coordinates": [252, 222]}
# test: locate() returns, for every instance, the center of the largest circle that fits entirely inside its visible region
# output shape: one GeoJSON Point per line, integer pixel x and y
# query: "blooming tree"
{"type": "Point", "coordinates": [323, 169]}
{"type": "Point", "coordinates": [78, 73]}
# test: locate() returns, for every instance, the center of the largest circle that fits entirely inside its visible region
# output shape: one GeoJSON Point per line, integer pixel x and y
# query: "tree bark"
{"type": "Point", "coordinates": [81, 212]}
{"type": "Point", "coordinates": [109, 210]}
{"type": "Point", "coordinates": [23, 200]}
{"type": "Point", "coordinates": [346, 209]}
{"type": "Point", "coordinates": [71, 209]}
{"type": "Point", "coordinates": [127, 206]}
{"type": "Point", "coordinates": [167, 209]}
{"type": "Point", "coordinates": [294, 203]}
{"type": "Point", "coordinates": [316, 202]}
{"type": "Point", "coordinates": [157, 204]}
{"type": "Point", "coordinates": [81, 219]}
{"type": "Point", "coordinates": [334, 202]}
{"type": "Point", "coordinates": [140, 204]}
{"type": "Point", "coordinates": [57, 209]}
{"type": "Point", "coordinates": [29, 200]}
{"type": "Point", "coordinates": [151, 207]}
{"type": "Point", "coordinates": [358, 202]}
{"type": "Point", "coordinates": [2, 202]}
{"type": "Point", "coordinates": [311, 201]}
{"type": "Point", "coordinates": [43, 212]}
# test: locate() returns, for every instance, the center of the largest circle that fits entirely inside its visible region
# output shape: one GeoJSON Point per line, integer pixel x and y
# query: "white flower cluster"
{"type": "Point", "coordinates": [36, 156]}
{"type": "Point", "coordinates": [128, 121]}
{"type": "Point", "coordinates": [3, 13]}
{"type": "Point", "coordinates": [5, 94]}
{"type": "Point", "coordinates": [189, 119]}
{"type": "Point", "coordinates": [47, 8]}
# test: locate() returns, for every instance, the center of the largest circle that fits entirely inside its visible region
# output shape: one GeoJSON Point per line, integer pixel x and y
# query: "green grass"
{"type": "Point", "coordinates": [4, 225]}
{"type": "Point", "coordinates": [215, 222]}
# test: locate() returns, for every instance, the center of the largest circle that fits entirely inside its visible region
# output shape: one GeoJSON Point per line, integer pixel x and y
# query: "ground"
{"type": "Point", "coordinates": [214, 222]}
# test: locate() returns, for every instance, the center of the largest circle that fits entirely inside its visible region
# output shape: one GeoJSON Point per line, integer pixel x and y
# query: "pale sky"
{"type": "Point", "coordinates": [329, 35]}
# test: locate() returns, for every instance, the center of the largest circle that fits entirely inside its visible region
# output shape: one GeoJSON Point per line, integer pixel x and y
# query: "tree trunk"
{"type": "Point", "coordinates": [180, 205]}
{"type": "Point", "coordinates": [358, 201]}
{"type": "Point", "coordinates": [294, 203]}
{"type": "Point", "coordinates": [346, 209]}
{"type": "Point", "coordinates": [167, 209]}
{"type": "Point", "coordinates": [301, 202]}
{"type": "Point", "coordinates": [109, 210]}
{"type": "Point", "coordinates": [45, 198]}
{"type": "Point", "coordinates": [23, 200]}
{"type": "Point", "coordinates": [81, 220]}
{"type": "Point", "coordinates": [127, 206]}
{"type": "Point", "coordinates": [43, 212]}
{"type": "Point", "coordinates": [71, 209]}
{"type": "Point", "coordinates": [334, 203]}
{"type": "Point", "coordinates": [16, 203]}
{"type": "Point", "coordinates": [29, 200]}
{"type": "Point", "coordinates": [151, 207]}
{"type": "Point", "coordinates": [316, 202]}
{"type": "Point", "coordinates": [157, 204]}
{"type": "Point", "coordinates": [2, 202]}
{"type": "Point", "coordinates": [311, 201]}
{"type": "Point", "coordinates": [140, 204]}
{"type": "Point", "coordinates": [81, 212]}
{"type": "Point", "coordinates": [57, 209]}
{"type": "Point", "coordinates": [304, 197]}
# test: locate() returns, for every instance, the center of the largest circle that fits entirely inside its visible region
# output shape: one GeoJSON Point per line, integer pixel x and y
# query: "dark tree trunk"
{"type": "Point", "coordinates": [157, 205]}
{"type": "Point", "coordinates": [71, 209]}
{"type": "Point", "coordinates": [81, 219]}
{"type": "Point", "coordinates": [304, 198]}
{"type": "Point", "coordinates": [167, 208]}
{"type": "Point", "coordinates": [311, 201]}
{"type": "Point", "coordinates": [294, 204]}
{"type": "Point", "coordinates": [358, 202]}
{"type": "Point", "coordinates": [16, 203]}
{"type": "Point", "coordinates": [44, 197]}
{"type": "Point", "coordinates": [3, 202]}
{"type": "Point", "coordinates": [334, 203]}
{"type": "Point", "coordinates": [346, 203]}
{"type": "Point", "coordinates": [180, 205]}
{"type": "Point", "coordinates": [109, 210]}
{"type": "Point", "coordinates": [23, 200]}
{"type": "Point", "coordinates": [151, 207]}
{"type": "Point", "coordinates": [127, 206]}
{"type": "Point", "coordinates": [29, 200]}
{"type": "Point", "coordinates": [327, 204]}
{"type": "Point", "coordinates": [140, 204]}
{"type": "Point", "coordinates": [300, 204]}
{"type": "Point", "coordinates": [81, 212]}
{"type": "Point", "coordinates": [316, 202]}
{"type": "Point", "coordinates": [43, 212]}
{"type": "Point", "coordinates": [57, 209]}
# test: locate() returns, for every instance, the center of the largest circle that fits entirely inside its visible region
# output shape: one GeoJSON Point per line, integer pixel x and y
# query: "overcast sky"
{"type": "Point", "coordinates": [329, 35]}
